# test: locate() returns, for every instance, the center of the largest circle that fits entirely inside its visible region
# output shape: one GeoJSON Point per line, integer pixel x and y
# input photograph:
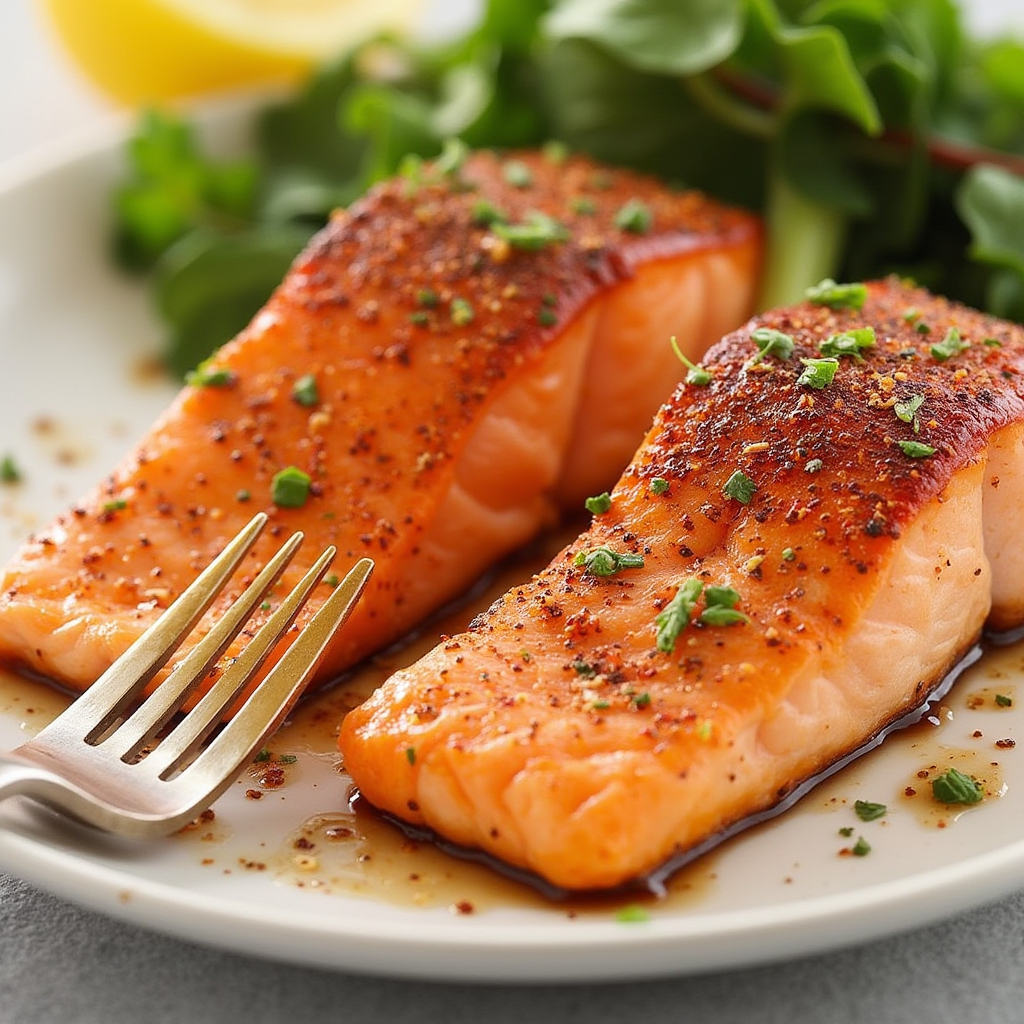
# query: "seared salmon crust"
{"type": "Point", "coordinates": [824, 529]}
{"type": "Point", "coordinates": [450, 363]}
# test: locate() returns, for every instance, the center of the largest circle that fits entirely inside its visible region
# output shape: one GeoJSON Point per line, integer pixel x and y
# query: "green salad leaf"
{"type": "Point", "coordinates": [875, 137]}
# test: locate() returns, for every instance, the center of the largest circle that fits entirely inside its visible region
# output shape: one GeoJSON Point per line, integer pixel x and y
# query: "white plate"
{"type": "Point", "coordinates": [73, 336]}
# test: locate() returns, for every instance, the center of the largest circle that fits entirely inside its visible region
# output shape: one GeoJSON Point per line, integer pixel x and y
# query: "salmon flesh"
{"type": "Point", "coordinates": [452, 361]}
{"type": "Point", "coordinates": [798, 554]}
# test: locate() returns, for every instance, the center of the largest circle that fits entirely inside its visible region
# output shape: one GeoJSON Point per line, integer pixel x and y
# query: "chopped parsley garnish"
{"type": "Point", "coordinates": [641, 700]}
{"type": "Point", "coordinates": [659, 485]}
{"type": "Point", "coordinates": [486, 213]}
{"type": "Point", "coordinates": [583, 204]}
{"type": "Point", "coordinates": [243, 495]}
{"type": "Point", "coordinates": [9, 471]}
{"type": "Point", "coordinates": [846, 831]}
{"type": "Point", "coordinates": [305, 391]}
{"type": "Point", "coordinates": [598, 504]}
{"type": "Point", "coordinates": [848, 343]}
{"type": "Point", "coordinates": [953, 787]}
{"type": "Point", "coordinates": [788, 555]}
{"type": "Point", "coordinates": [992, 342]}
{"type": "Point", "coordinates": [606, 562]}
{"type": "Point", "coordinates": [547, 317]}
{"type": "Point", "coordinates": [634, 216]}
{"type": "Point", "coordinates": [696, 374]}
{"type": "Point", "coordinates": [205, 376]}
{"type": "Point", "coordinates": [632, 914]}
{"type": "Point", "coordinates": [410, 755]}
{"type": "Point", "coordinates": [535, 232]}
{"type": "Point", "coordinates": [951, 345]}
{"type": "Point", "coordinates": [427, 298]}
{"type": "Point", "coordinates": [675, 616]}
{"type": "Point", "coordinates": [837, 296]}
{"type": "Point", "coordinates": [555, 151]}
{"type": "Point", "coordinates": [453, 156]}
{"type": "Point", "coordinates": [720, 607]}
{"type": "Point", "coordinates": [461, 312]}
{"type": "Point", "coordinates": [867, 811]}
{"type": "Point", "coordinates": [907, 410]}
{"type": "Point", "coordinates": [922, 328]}
{"type": "Point", "coordinates": [290, 488]}
{"type": "Point", "coordinates": [584, 670]}
{"type": "Point", "coordinates": [818, 373]}
{"type": "Point", "coordinates": [517, 174]}
{"type": "Point", "coordinates": [739, 487]}
{"type": "Point", "coordinates": [916, 449]}
{"type": "Point", "coordinates": [772, 343]}
{"type": "Point", "coordinates": [1003, 701]}
{"type": "Point", "coordinates": [332, 581]}
{"type": "Point", "coordinates": [115, 505]}
{"type": "Point", "coordinates": [861, 848]}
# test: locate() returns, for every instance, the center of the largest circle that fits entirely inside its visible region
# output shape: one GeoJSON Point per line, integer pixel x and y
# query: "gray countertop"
{"type": "Point", "coordinates": [60, 962]}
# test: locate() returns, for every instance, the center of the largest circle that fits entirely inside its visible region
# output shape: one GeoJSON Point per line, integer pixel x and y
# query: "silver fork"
{"type": "Point", "coordinates": [108, 759]}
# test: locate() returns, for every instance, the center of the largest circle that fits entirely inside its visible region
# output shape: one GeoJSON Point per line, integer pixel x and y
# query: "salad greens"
{"type": "Point", "coordinates": [876, 137]}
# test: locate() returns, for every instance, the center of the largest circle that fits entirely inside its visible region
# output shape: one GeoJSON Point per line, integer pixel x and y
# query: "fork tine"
{"type": "Point", "coordinates": [186, 736]}
{"type": "Point", "coordinates": [108, 696]}
{"type": "Point", "coordinates": [269, 704]}
{"type": "Point", "coordinates": [156, 710]}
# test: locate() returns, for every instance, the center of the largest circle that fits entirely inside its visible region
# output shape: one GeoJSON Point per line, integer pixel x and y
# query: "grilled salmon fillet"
{"type": "Point", "coordinates": [799, 553]}
{"type": "Point", "coordinates": [452, 361]}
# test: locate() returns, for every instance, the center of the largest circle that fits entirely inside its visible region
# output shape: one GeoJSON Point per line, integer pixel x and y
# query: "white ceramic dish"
{"type": "Point", "coordinates": [73, 336]}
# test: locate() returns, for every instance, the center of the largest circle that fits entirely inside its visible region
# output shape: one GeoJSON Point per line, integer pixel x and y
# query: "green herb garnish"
{"type": "Point", "coordinates": [659, 485]}
{"type": "Point", "coordinates": [954, 787]}
{"type": "Point", "coordinates": [907, 410]}
{"type": "Point", "coordinates": [606, 562]}
{"type": "Point", "coordinates": [517, 174]}
{"type": "Point", "coordinates": [598, 504]}
{"type": "Point", "coordinates": [9, 470]}
{"type": "Point", "coordinates": [461, 312]}
{"type": "Point", "coordinates": [916, 449]}
{"type": "Point", "coordinates": [739, 487]}
{"type": "Point", "coordinates": [535, 232]}
{"type": "Point", "coordinates": [952, 344]}
{"type": "Point", "coordinates": [848, 343]}
{"type": "Point", "coordinates": [675, 616]}
{"type": "Point", "coordinates": [634, 216]}
{"type": "Point", "coordinates": [837, 296]}
{"type": "Point", "coordinates": [771, 343]}
{"type": "Point", "coordinates": [290, 488]}
{"type": "Point", "coordinates": [867, 811]}
{"type": "Point", "coordinates": [720, 607]}
{"type": "Point", "coordinates": [818, 373]}
{"type": "Point", "coordinates": [696, 374]}
{"type": "Point", "coordinates": [305, 391]}
{"type": "Point", "coordinates": [861, 848]}
{"type": "Point", "coordinates": [1003, 701]}
{"type": "Point", "coordinates": [207, 376]}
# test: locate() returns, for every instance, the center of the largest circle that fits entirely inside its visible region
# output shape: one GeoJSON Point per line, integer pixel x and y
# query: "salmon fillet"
{"type": "Point", "coordinates": [816, 558]}
{"type": "Point", "coordinates": [451, 362]}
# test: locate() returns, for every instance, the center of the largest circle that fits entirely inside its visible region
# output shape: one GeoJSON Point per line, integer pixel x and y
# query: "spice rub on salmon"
{"type": "Point", "coordinates": [799, 553]}
{"type": "Point", "coordinates": [450, 362]}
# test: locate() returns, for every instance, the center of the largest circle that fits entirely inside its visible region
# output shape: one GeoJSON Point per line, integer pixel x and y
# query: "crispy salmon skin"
{"type": "Point", "coordinates": [450, 362]}
{"type": "Point", "coordinates": [800, 551]}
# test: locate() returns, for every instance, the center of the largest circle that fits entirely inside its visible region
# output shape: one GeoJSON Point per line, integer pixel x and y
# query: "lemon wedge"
{"type": "Point", "coordinates": [143, 51]}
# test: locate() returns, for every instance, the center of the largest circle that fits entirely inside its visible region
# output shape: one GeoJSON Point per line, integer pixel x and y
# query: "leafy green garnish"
{"type": "Point", "coordinates": [10, 473]}
{"type": "Point", "coordinates": [848, 343]}
{"type": "Point", "coordinates": [954, 787]}
{"type": "Point", "coordinates": [952, 344]}
{"type": "Point", "coordinates": [606, 562]}
{"type": "Point", "coordinates": [675, 616]}
{"type": "Point", "coordinates": [867, 811]}
{"type": "Point", "coordinates": [305, 390]}
{"type": "Point", "coordinates": [720, 607]}
{"type": "Point", "coordinates": [916, 449]}
{"type": "Point", "coordinates": [772, 343]}
{"type": "Point", "coordinates": [818, 373]}
{"type": "Point", "coordinates": [290, 488]}
{"type": "Point", "coordinates": [695, 373]}
{"type": "Point", "coordinates": [837, 296]}
{"type": "Point", "coordinates": [598, 504]}
{"type": "Point", "coordinates": [739, 487]}
{"type": "Point", "coordinates": [535, 232]}
{"type": "Point", "coordinates": [907, 410]}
